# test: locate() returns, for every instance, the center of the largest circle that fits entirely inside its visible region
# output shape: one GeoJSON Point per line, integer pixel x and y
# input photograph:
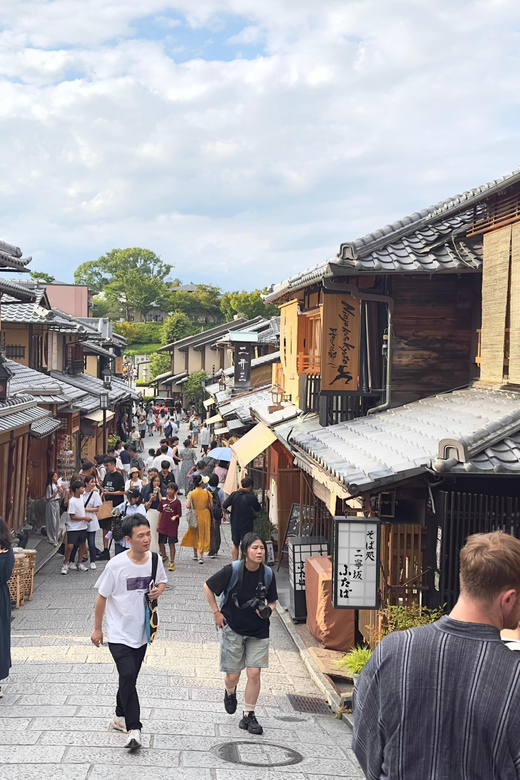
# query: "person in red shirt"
{"type": "Point", "coordinates": [170, 510]}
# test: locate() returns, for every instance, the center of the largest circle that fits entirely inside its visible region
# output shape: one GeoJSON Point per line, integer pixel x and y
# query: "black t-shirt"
{"type": "Point", "coordinates": [113, 483]}
{"type": "Point", "coordinates": [244, 505]}
{"type": "Point", "coordinates": [243, 621]}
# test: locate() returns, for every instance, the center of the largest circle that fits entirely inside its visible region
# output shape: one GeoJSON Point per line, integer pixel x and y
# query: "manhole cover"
{"type": "Point", "coordinates": [257, 754]}
{"type": "Point", "coordinates": [309, 704]}
{"type": "Point", "coordinates": [290, 718]}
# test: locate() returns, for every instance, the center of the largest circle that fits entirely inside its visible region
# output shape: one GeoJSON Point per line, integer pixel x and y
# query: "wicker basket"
{"type": "Point", "coordinates": [28, 574]}
{"type": "Point", "coordinates": [16, 583]}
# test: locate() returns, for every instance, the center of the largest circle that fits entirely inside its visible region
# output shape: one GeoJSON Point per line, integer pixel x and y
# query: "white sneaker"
{"type": "Point", "coordinates": [1, 694]}
{"type": "Point", "coordinates": [72, 565]}
{"type": "Point", "coordinates": [134, 739]}
{"type": "Point", "coordinates": [118, 723]}
{"type": "Point", "coordinates": [81, 567]}
{"type": "Point", "coordinates": [65, 568]}
{"type": "Point", "coordinates": [93, 566]}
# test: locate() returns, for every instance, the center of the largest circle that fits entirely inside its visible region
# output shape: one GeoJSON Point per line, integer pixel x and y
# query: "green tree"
{"type": "Point", "coordinates": [176, 327]}
{"type": "Point", "coordinates": [250, 304]}
{"type": "Point", "coordinates": [204, 300]}
{"type": "Point", "coordinates": [41, 276]}
{"type": "Point", "coordinates": [194, 387]}
{"type": "Point", "coordinates": [159, 363]}
{"type": "Point", "coordinates": [131, 278]}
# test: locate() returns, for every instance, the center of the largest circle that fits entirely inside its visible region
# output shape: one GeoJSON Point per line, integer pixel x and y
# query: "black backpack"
{"type": "Point", "coordinates": [217, 504]}
{"type": "Point", "coordinates": [117, 524]}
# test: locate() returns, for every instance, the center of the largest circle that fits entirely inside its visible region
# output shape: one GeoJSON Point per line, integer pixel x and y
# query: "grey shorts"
{"type": "Point", "coordinates": [238, 652]}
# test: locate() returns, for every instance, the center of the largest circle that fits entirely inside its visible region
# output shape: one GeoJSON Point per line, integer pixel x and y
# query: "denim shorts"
{"type": "Point", "coordinates": [238, 652]}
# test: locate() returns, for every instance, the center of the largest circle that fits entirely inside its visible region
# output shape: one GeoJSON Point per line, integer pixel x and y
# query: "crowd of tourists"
{"type": "Point", "coordinates": [134, 502]}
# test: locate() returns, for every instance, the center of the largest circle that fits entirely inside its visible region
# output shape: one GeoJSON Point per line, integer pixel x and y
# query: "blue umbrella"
{"type": "Point", "coordinates": [221, 453]}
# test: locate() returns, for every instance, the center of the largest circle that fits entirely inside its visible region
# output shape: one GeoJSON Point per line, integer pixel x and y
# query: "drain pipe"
{"type": "Point", "coordinates": [367, 296]}
{"type": "Point", "coordinates": [388, 383]}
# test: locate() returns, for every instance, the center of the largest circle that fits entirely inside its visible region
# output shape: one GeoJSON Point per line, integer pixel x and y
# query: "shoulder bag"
{"type": "Point", "coordinates": [191, 516]}
{"type": "Point", "coordinates": [151, 616]}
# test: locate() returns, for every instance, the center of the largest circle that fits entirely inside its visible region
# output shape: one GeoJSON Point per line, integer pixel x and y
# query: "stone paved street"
{"type": "Point", "coordinates": [61, 693]}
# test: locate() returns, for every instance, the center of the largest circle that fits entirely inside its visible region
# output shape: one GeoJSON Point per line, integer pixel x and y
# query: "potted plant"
{"type": "Point", "coordinates": [354, 661]}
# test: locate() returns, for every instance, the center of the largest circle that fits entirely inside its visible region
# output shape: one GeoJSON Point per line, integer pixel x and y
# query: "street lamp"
{"type": "Point", "coordinates": [277, 396]}
{"type": "Point", "coordinates": [222, 383]}
{"type": "Point", "coordinates": [107, 379]}
{"type": "Point", "coordinates": [104, 404]}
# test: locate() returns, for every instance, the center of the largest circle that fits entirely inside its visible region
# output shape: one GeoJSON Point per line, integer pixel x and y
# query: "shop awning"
{"type": "Point", "coordinates": [253, 443]}
{"type": "Point", "coordinates": [208, 402]}
{"type": "Point", "coordinates": [216, 418]}
{"type": "Point", "coordinates": [42, 428]}
{"type": "Point", "coordinates": [97, 416]}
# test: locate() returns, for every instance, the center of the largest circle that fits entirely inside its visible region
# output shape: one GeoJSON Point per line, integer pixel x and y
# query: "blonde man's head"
{"type": "Point", "coordinates": [489, 565]}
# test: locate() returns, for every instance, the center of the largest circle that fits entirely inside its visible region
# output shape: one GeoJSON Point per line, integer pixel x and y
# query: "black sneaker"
{"type": "Point", "coordinates": [230, 702]}
{"type": "Point", "coordinates": [250, 723]}
{"type": "Point", "coordinates": [105, 556]}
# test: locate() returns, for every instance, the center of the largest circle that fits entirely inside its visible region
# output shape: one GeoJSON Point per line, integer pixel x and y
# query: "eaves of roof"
{"type": "Point", "coordinates": [17, 291]}
{"type": "Point", "coordinates": [11, 257]}
{"type": "Point", "coordinates": [432, 241]}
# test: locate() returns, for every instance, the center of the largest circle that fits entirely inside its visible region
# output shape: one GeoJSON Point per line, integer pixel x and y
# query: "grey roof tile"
{"type": "Point", "coordinates": [371, 451]}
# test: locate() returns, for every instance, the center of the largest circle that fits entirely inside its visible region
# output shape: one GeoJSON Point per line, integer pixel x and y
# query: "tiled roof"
{"type": "Point", "coordinates": [19, 411]}
{"type": "Point", "coordinates": [97, 349]}
{"type": "Point", "coordinates": [45, 427]}
{"type": "Point", "coordinates": [11, 257]}
{"type": "Point", "coordinates": [27, 380]}
{"type": "Point", "coordinates": [432, 240]}
{"type": "Point", "coordinates": [16, 291]}
{"type": "Point", "coordinates": [93, 385]}
{"type": "Point", "coordinates": [470, 431]}
{"type": "Point", "coordinates": [239, 406]}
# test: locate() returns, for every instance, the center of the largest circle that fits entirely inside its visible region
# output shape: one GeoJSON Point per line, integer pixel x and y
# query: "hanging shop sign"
{"type": "Point", "coordinates": [242, 365]}
{"type": "Point", "coordinates": [355, 563]}
{"type": "Point", "coordinates": [341, 342]}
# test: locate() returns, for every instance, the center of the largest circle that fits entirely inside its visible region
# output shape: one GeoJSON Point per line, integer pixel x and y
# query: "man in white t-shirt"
{"type": "Point", "coordinates": [121, 593]}
{"type": "Point", "coordinates": [77, 526]}
{"type": "Point", "coordinates": [163, 456]}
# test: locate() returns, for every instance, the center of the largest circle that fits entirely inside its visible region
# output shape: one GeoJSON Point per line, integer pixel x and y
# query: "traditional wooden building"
{"type": "Point", "coordinates": [398, 389]}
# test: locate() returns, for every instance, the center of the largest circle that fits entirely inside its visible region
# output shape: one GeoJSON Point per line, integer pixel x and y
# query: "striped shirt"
{"type": "Point", "coordinates": [440, 702]}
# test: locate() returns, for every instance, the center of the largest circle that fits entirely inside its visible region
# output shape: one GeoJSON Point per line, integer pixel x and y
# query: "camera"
{"type": "Point", "coordinates": [257, 603]}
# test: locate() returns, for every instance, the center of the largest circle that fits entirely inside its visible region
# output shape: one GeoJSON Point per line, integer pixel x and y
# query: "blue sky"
{"type": "Point", "coordinates": [244, 141]}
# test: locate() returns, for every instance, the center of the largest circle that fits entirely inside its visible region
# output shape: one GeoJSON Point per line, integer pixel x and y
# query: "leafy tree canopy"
{"type": "Point", "coordinates": [250, 304]}
{"type": "Point", "coordinates": [159, 363]}
{"type": "Point", "coordinates": [130, 278]}
{"type": "Point", "coordinates": [194, 388]}
{"type": "Point", "coordinates": [176, 327]}
{"type": "Point", "coordinates": [204, 300]}
{"type": "Point", "coordinates": [41, 276]}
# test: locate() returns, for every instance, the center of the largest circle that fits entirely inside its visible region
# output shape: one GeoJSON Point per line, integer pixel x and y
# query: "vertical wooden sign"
{"type": "Point", "coordinates": [341, 342]}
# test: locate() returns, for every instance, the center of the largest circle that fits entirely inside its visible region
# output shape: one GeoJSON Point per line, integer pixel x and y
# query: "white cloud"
{"type": "Point", "coordinates": [353, 113]}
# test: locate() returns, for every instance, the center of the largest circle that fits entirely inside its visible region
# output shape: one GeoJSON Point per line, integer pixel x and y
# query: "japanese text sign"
{"type": "Point", "coordinates": [242, 364]}
{"type": "Point", "coordinates": [355, 563]}
{"type": "Point", "coordinates": [341, 335]}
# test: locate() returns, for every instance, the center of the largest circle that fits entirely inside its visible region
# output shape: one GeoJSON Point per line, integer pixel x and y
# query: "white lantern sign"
{"type": "Point", "coordinates": [355, 563]}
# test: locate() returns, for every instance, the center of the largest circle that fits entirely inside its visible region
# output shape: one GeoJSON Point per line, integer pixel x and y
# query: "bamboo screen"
{"type": "Point", "coordinates": [514, 306]}
{"type": "Point", "coordinates": [495, 286]}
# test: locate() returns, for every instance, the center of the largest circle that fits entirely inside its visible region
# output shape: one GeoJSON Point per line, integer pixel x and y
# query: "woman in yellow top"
{"type": "Point", "coordinates": [202, 502]}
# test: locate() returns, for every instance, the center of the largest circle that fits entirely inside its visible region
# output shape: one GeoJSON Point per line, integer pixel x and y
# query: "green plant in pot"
{"type": "Point", "coordinates": [354, 661]}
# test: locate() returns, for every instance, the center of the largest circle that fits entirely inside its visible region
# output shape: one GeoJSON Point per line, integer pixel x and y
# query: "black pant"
{"type": "Point", "coordinates": [214, 537]}
{"type": "Point", "coordinates": [76, 538]}
{"type": "Point", "coordinates": [128, 661]}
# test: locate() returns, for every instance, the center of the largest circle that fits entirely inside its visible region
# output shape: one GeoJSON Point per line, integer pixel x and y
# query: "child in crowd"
{"type": "Point", "coordinates": [170, 511]}
{"type": "Point", "coordinates": [150, 459]}
{"type": "Point", "coordinates": [77, 526]}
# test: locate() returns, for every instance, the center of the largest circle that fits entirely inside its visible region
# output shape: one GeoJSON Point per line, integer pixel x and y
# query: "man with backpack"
{"type": "Point", "coordinates": [216, 514]}
{"type": "Point", "coordinates": [249, 595]}
{"type": "Point", "coordinates": [244, 506]}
